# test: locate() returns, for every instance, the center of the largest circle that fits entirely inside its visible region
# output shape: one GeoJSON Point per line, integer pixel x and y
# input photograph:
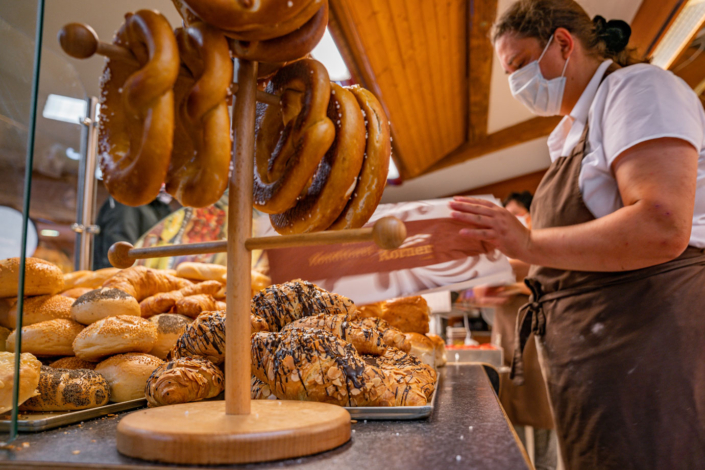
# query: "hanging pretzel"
{"type": "Point", "coordinates": [291, 139]}
{"type": "Point", "coordinates": [200, 161]}
{"type": "Point", "coordinates": [334, 180]}
{"type": "Point", "coordinates": [292, 46]}
{"type": "Point", "coordinates": [375, 167]}
{"type": "Point", "coordinates": [137, 110]}
{"type": "Point", "coordinates": [251, 20]}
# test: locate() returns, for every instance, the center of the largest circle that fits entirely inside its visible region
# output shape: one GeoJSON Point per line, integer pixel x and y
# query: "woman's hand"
{"type": "Point", "coordinates": [493, 226]}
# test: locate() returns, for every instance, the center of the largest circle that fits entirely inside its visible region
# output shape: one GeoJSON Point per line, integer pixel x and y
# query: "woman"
{"type": "Point", "coordinates": [618, 231]}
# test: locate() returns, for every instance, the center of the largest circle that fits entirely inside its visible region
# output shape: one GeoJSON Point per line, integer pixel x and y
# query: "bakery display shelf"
{"type": "Point", "coordinates": [35, 421]}
{"type": "Point", "coordinates": [401, 413]}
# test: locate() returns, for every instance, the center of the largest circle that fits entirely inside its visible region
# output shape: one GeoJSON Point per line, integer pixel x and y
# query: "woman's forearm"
{"type": "Point", "coordinates": [633, 237]}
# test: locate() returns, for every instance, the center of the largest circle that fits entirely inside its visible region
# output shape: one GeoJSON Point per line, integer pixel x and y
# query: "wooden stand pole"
{"type": "Point", "coordinates": [237, 322]}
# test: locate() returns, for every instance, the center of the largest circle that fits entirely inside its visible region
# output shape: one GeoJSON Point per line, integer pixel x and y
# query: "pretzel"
{"type": "Point", "coordinates": [200, 161]}
{"type": "Point", "coordinates": [375, 166]}
{"type": "Point", "coordinates": [291, 139]}
{"type": "Point", "coordinates": [137, 110]}
{"type": "Point", "coordinates": [335, 178]}
{"type": "Point", "coordinates": [292, 46]}
{"type": "Point", "coordinates": [251, 20]}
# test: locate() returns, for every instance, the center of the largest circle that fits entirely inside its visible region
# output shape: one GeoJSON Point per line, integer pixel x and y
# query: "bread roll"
{"type": "Point", "coordinates": [440, 347]}
{"type": "Point", "coordinates": [423, 348]}
{"type": "Point", "coordinates": [115, 335]}
{"type": "Point", "coordinates": [4, 333]}
{"type": "Point", "coordinates": [259, 281]}
{"type": "Point", "coordinates": [38, 309]}
{"type": "Point", "coordinates": [202, 271]}
{"type": "Point", "coordinates": [71, 280]}
{"type": "Point", "coordinates": [29, 378]}
{"type": "Point", "coordinates": [127, 374]}
{"type": "Point", "coordinates": [96, 278]}
{"type": "Point", "coordinates": [103, 303]}
{"type": "Point", "coordinates": [48, 338]}
{"type": "Point", "coordinates": [184, 380]}
{"type": "Point", "coordinates": [408, 314]}
{"type": "Point", "coordinates": [76, 292]}
{"type": "Point", "coordinates": [72, 363]}
{"type": "Point", "coordinates": [65, 390]}
{"type": "Point", "coordinates": [170, 326]}
{"type": "Point", "coordinates": [41, 277]}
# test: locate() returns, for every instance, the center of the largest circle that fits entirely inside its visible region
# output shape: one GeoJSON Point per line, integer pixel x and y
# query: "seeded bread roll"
{"type": "Point", "coordinates": [94, 279]}
{"type": "Point", "coordinates": [66, 390]}
{"type": "Point", "coordinates": [72, 363]}
{"type": "Point", "coordinates": [170, 327]}
{"type": "Point", "coordinates": [41, 277]}
{"type": "Point", "coordinates": [127, 374]}
{"type": "Point", "coordinates": [182, 381]}
{"type": "Point", "coordinates": [48, 338]}
{"type": "Point", "coordinates": [115, 335]}
{"type": "Point", "coordinates": [103, 303]}
{"type": "Point", "coordinates": [29, 378]}
{"type": "Point", "coordinates": [38, 309]}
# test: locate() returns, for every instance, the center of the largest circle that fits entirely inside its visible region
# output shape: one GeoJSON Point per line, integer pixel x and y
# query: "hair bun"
{"type": "Point", "coordinates": [615, 33]}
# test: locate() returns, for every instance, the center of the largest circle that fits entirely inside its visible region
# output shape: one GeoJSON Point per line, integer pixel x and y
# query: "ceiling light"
{"type": "Point", "coordinates": [328, 54]}
{"type": "Point", "coordinates": [65, 108]}
{"type": "Point", "coordinates": [49, 233]}
{"type": "Point", "coordinates": [679, 35]}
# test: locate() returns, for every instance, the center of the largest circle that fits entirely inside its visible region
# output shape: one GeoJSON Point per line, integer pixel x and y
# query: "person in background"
{"type": "Point", "coordinates": [527, 404]}
{"type": "Point", "coordinates": [121, 223]}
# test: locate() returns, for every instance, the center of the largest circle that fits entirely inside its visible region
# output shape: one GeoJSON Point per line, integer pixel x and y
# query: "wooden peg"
{"type": "Point", "coordinates": [119, 255]}
{"type": "Point", "coordinates": [389, 233]}
{"type": "Point", "coordinates": [81, 41]}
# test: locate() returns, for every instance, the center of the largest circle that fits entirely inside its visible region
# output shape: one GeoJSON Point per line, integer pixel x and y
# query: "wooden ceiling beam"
{"type": "Point", "coordinates": [481, 16]}
{"type": "Point", "coordinates": [651, 22]}
{"type": "Point", "coordinates": [509, 137]}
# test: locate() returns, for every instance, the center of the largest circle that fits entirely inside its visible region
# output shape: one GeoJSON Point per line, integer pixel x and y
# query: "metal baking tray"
{"type": "Point", "coordinates": [34, 421]}
{"type": "Point", "coordinates": [395, 412]}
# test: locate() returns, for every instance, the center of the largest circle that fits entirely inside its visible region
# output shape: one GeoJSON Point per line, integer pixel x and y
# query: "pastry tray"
{"type": "Point", "coordinates": [395, 412]}
{"type": "Point", "coordinates": [34, 421]}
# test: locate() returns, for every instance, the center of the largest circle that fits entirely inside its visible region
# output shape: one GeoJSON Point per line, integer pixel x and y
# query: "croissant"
{"type": "Point", "coordinates": [165, 301]}
{"type": "Point", "coordinates": [205, 337]}
{"type": "Point", "coordinates": [281, 304]}
{"type": "Point", "coordinates": [408, 374]}
{"type": "Point", "coordinates": [367, 335]}
{"type": "Point", "coordinates": [141, 282]}
{"type": "Point", "coordinates": [260, 390]}
{"type": "Point", "coordinates": [183, 380]}
{"type": "Point", "coordinates": [194, 305]}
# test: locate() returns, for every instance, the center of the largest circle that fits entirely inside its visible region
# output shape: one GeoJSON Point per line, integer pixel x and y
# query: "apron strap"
{"type": "Point", "coordinates": [531, 319]}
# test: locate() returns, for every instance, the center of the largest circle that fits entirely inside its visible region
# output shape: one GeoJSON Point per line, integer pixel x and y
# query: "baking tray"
{"type": "Point", "coordinates": [34, 421]}
{"type": "Point", "coordinates": [395, 412]}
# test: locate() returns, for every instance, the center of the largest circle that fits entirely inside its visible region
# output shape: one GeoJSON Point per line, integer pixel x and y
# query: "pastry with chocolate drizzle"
{"type": "Point", "coordinates": [405, 372]}
{"type": "Point", "coordinates": [315, 365]}
{"type": "Point", "coordinates": [183, 380]}
{"type": "Point", "coordinates": [281, 304]}
{"type": "Point", "coordinates": [367, 335]}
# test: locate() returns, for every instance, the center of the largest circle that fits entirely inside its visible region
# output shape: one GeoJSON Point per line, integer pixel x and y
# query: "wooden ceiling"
{"type": "Point", "coordinates": [430, 62]}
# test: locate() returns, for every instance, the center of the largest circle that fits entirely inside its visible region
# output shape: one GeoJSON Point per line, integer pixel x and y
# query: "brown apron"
{"type": "Point", "coordinates": [527, 404]}
{"type": "Point", "coordinates": [623, 353]}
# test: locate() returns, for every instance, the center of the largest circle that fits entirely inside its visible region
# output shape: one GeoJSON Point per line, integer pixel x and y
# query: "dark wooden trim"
{"type": "Point", "coordinates": [509, 137]}
{"type": "Point", "coordinates": [651, 23]}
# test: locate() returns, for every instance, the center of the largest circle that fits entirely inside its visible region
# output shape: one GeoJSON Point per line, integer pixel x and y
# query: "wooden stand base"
{"type": "Point", "coordinates": [201, 433]}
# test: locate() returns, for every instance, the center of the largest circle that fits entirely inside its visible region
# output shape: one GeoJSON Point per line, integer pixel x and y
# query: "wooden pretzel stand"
{"type": "Point", "coordinates": [237, 430]}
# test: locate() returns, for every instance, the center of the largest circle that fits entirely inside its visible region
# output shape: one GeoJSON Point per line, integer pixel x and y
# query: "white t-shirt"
{"type": "Point", "coordinates": [632, 105]}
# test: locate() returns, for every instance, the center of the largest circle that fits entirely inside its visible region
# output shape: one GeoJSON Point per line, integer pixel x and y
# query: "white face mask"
{"type": "Point", "coordinates": [542, 97]}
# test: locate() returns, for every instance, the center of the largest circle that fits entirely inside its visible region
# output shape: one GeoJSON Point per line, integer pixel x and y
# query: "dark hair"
{"type": "Point", "coordinates": [540, 18]}
{"type": "Point", "coordinates": [524, 198]}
